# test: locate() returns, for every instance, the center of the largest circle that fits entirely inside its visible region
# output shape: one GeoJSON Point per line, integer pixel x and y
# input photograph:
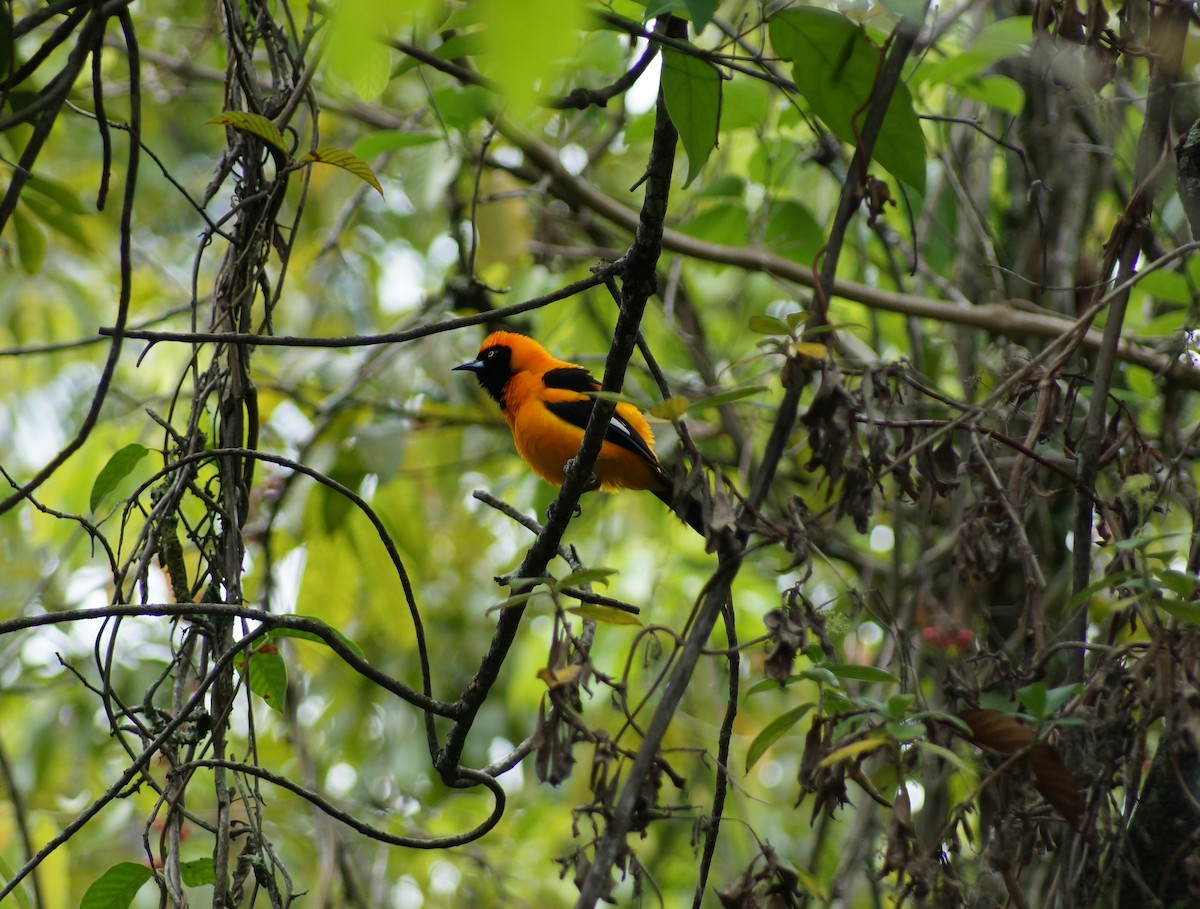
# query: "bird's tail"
{"type": "Point", "coordinates": [690, 511]}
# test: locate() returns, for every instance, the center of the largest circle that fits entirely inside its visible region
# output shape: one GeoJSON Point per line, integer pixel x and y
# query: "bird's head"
{"type": "Point", "coordinates": [503, 354]}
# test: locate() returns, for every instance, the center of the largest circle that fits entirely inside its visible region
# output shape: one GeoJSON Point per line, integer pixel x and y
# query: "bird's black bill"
{"type": "Point", "coordinates": [473, 366]}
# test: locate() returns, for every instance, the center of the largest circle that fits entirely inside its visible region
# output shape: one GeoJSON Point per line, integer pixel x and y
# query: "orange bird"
{"type": "Point", "coordinates": [547, 403]}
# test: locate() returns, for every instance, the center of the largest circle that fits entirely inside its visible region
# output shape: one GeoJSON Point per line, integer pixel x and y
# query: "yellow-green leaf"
{"type": "Point", "coordinates": [346, 160]}
{"type": "Point", "coordinates": [673, 408]}
{"type": "Point", "coordinates": [606, 614]}
{"type": "Point", "coordinates": [863, 746]}
{"type": "Point", "coordinates": [255, 125]}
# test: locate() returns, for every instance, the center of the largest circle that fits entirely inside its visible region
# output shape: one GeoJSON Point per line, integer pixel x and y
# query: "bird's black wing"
{"type": "Point", "coordinates": [577, 413]}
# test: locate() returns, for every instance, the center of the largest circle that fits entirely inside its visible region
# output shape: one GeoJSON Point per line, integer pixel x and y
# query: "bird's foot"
{"type": "Point", "coordinates": [551, 509]}
{"type": "Point", "coordinates": [593, 482]}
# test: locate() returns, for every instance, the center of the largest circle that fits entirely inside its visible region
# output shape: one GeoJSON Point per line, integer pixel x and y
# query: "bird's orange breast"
{"type": "Point", "coordinates": [547, 442]}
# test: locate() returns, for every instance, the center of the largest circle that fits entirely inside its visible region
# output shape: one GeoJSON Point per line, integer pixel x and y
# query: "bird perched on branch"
{"type": "Point", "coordinates": [547, 403]}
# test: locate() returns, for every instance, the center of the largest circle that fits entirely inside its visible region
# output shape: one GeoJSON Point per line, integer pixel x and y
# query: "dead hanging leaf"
{"type": "Point", "coordinates": [878, 195]}
{"type": "Point", "coordinates": [831, 428]}
{"type": "Point", "coordinates": [788, 633]}
{"type": "Point", "coordinates": [1006, 735]}
{"type": "Point", "coordinates": [997, 731]}
{"type": "Point", "coordinates": [983, 541]}
{"type": "Point", "coordinates": [939, 466]}
{"type": "Point", "coordinates": [1056, 784]}
{"type": "Point", "coordinates": [797, 541]}
{"type": "Point", "coordinates": [857, 493]}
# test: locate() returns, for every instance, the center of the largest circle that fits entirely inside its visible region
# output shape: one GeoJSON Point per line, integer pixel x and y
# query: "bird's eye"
{"type": "Point", "coordinates": [491, 353]}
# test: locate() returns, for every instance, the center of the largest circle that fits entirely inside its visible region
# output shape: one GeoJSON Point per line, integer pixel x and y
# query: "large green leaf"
{"type": "Point", "coordinates": [774, 731]}
{"type": "Point", "coordinates": [116, 887]}
{"type": "Point", "coordinates": [266, 673]}
{"type": "Point", "coordinates": [692, 90]}
{"type": "Point", "coordinates": [119, 466]}
{"type": "Point", "coordinates": [524, 42]}
{"type": "Point", "coordinates": [834, 66]}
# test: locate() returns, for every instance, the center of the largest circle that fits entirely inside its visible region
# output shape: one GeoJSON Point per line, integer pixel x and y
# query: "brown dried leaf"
{"type": "Point", "coordinates": [1056, 784]}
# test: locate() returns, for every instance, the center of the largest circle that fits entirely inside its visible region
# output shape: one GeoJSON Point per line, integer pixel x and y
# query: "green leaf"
{"type": "Point", "coordinates": [58, 193]}
{"type": "Point", "coordinates": [701, 12]}
{"type": "Point", "coordinates": [819, 674]}
{"type": "Point", "coordinates": [607, 614]}
{"type": "Point", "coordinates": [1180, 583]}
{"type": "Point", "coordinates": [464, 44]}
{"type": "Point", "coordinates": [525, 41]}
{"type": "Point", "coordinates": [31, 242]}
{"type": "Point", "coordinates": [904, 732]}
{"type": "Point", "coordinates": [389, 140]}
{"type": "Point", "coordinates": [355, 52]}
{"type": "Point", "coordinates": [724, 223]}
{"type": "Point", "coordinates": [116, 887]}
{"type": "Point", "coordinates": [1033, 698]}
{"type": "Point", "coordinates": [1104, 583]}
{"type": "Point", "coordinates": [119, 466]}
{"type": "Point", "coordinates": [898, 704]}
{"type": "Point", "coordinates": [198, 873]}
{"type": "Point", "coordinates": [56, 218]}
{"type": "Point", "coordinates": [727, 186]}
{"type": "Point", "coordinates": [912, 10]}
{"type": "Point", "coordinates": [862, 673]}
{"type": "Point", "coordinates": [255, 125]}
{"type": "Point", "coordinates": [1000, 92]}
{"type": "Point", "coordinates": [768, 325]}
{"type": "Point", "coordinates": [586, 576]}
{"type": "Point", "coordinates": [745, 104]}
{"type": "Point", "coordinates": [266, 674]}
{"type": "Point", "coordinates": [773, 732]}
{"type": "Point", "coordinates": [673, 408]}
{"type": "Point", "coordinates": [1001, 40]}
{"type": "Point", "coordinates": [1184, 610]}
{"type": "Point", "coordinates": [726, 397]}
{"type": "Point", "coordinates": [947, 755]}
{"type": "Point", "coordinates": [297, 634]}
{"type": "Point", "coordinates": [834, 66]}
{"type": "Point", "coordinates": [6, 873]}
{"type": "Point", "coordinates": [460, 107]}
{"type": "Point", "coordinates": [6, 38]}
{"type": "Point", "coordinates": [346, 160]}
{"type": "Point", "coordinates": [793, 233]}
{"type": "Point", "coordinates": [692, 91]}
